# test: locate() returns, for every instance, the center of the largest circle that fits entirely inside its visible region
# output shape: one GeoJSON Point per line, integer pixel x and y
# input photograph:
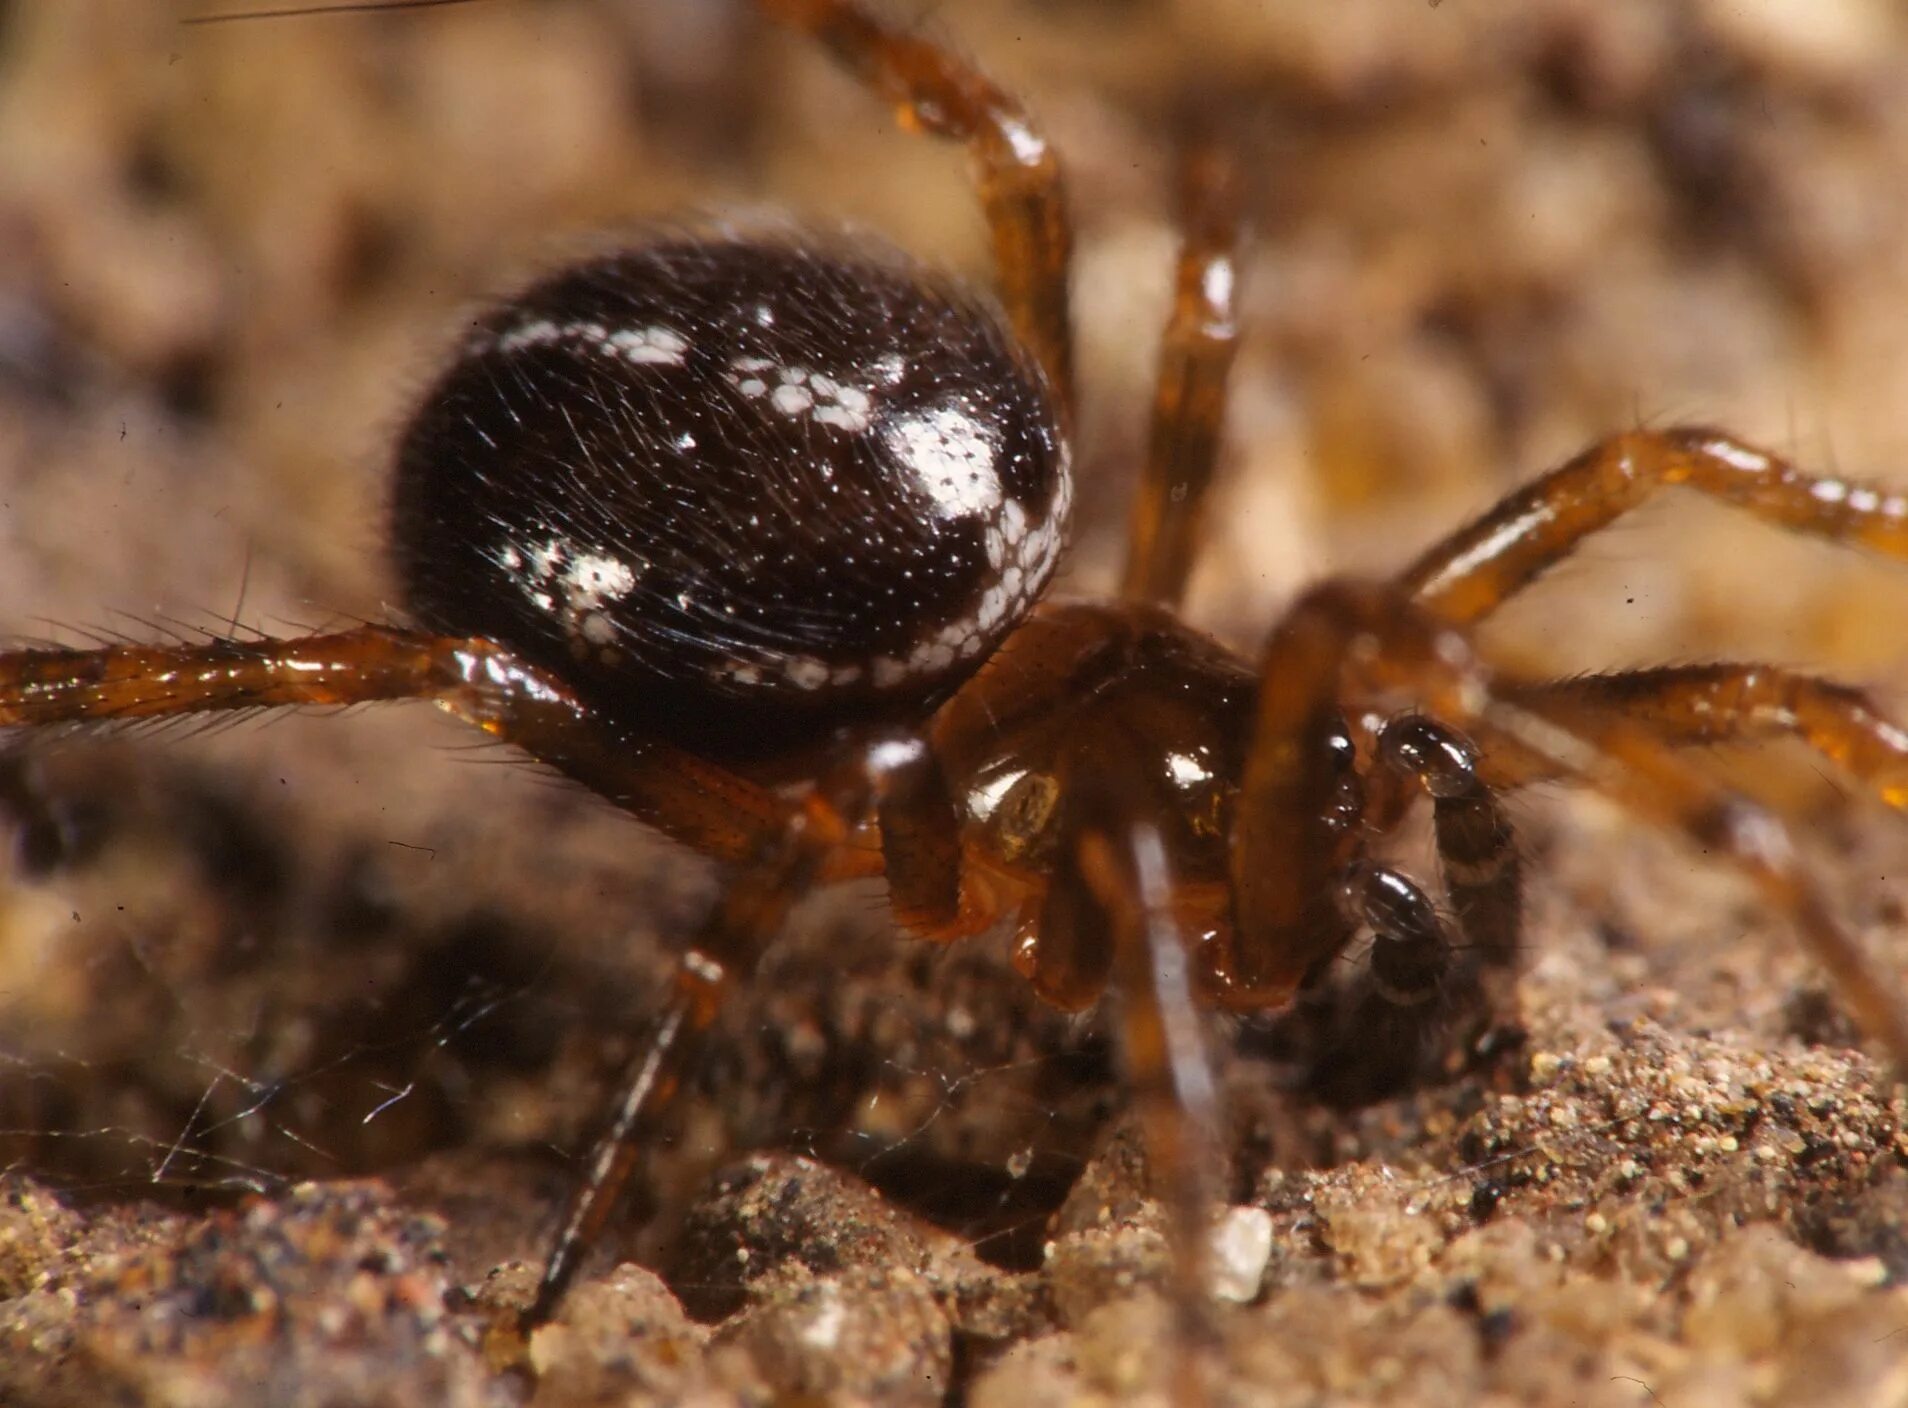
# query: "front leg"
{"type": "Point", "coordinates": [1353, 644]}
{"type": "Point", "coordinates": [1482, 565]}
{"type": "Point", "coordinates": [754, 902]}
{"type": "Point", "coordinates": [698, 803]}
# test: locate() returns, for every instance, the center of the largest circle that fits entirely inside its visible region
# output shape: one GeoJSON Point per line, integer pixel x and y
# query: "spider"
{"type": "Point", "coordinates": [750, 535]}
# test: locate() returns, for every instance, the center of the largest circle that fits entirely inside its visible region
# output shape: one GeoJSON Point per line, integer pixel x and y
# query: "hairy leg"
{"type": "Point", "coordinates": [695, 802]}
{"type": "Point", "coordinates": [1021, 188]}
{"type": "Point", "coordinates": [1736, 703]}
{"type": "Point", "coordinates": [1189, 398]}
{"type": "Point", "coordinates": [754, 902]}
{"type": "Point", "coordinates": [1476, 569]}
{"type": "Point", "coordinates": [778, 848]}
{"type": "Point", "coordinates": [1350, 642]}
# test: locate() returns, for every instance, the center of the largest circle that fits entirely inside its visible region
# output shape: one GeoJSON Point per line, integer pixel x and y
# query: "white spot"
{"type": "Point", "coordinates": [641, 346]}
{"type": "Point", "coordinates": [595, 577]}
{"type": "Point", "coordinates": [596, 628]}
{"type": "Point", "coordinates": [531, 334]}
{"type": "Point", "coordinates": [659, 346]}
{"type": "Point", "coordinates": [1013, 523]}
{"type": "Point", "coordinates": [850, 407]}
{"type": "Point", "coordinates": [892, 754]}
{"type": "Point", "coordinates": [949, 455]}
{"type": "Point", "coordinates": [1738, 456]}
{"type": "Point", "coordinates": [792, 399]}
{"type": "Point", "coordinates": [805, 672]}
{"type": "Point", "coordinates": [703, 968]}
{"type": "Point", "coordinates": [931, 657]}
{"type": "Point", "coordinates": [1217, 283]}
{"type": "Point", "coordinates": [798, 391]}
{"type": "Point", "coordinates": [544, 560]}
{"type": "Point", "coordinates": [1029, 147]}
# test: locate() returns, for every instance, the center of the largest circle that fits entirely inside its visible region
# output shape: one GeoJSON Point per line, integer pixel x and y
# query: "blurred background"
{"type": "Point", "coordinates": [230, 255]}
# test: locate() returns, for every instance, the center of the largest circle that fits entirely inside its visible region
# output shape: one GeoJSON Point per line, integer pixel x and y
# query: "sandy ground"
{"type": "Point", "coordinates": [302, 1024]}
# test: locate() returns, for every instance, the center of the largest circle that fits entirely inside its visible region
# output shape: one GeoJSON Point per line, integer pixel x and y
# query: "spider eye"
{"type": "Point", "coordinates": [1020, 822]}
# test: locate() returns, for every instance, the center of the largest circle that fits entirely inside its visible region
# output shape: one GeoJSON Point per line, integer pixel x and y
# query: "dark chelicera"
{"type": "Point", "coordinates": [738, 492]}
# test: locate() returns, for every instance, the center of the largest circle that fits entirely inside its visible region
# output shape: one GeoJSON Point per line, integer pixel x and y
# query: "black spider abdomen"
{"type": "Point", "coordinates": [737, 494]}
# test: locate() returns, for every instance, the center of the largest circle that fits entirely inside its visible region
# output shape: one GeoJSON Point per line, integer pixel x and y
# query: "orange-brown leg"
{"type": "Point", "coordinates": [899, 779]}
{"type": "Point", "coordinates": [1477, 568]}
{"type": "Point", "coordinates": [1189, 399]}
{"type": "Point", "coordinates": [1734, 703]}
{"type": "Point", "coordinates": [754, 902]}
{"type": "Point", "coordinates": [1632, 765]}
{"type": "Point", "coordinates": [1374, 643]}
{"type": "Point", "coordinates": [780, 848]}
{"type": "Point", "coordinates": [1017, 173]}
{"type": "Point", "coordinates": [1293, 828]}
{"type": "Point", "coordinates": [695, 802]}
{"type": "Point", "coordinates": [921, 853]}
